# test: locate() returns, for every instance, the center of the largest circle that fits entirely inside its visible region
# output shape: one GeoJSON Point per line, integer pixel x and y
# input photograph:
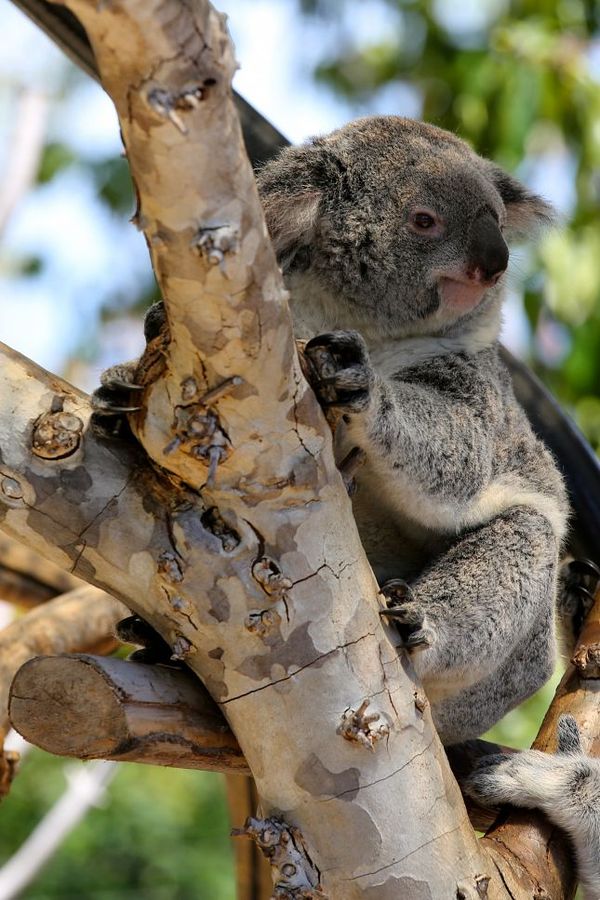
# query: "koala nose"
{"type": "Point", "coordinates": [488, 253]}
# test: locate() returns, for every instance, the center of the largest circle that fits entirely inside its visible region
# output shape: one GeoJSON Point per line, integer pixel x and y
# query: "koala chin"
{"type": "Point", "coordinates": [393, 236]}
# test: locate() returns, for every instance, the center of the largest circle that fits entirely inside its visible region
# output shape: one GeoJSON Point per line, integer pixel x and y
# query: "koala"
{"type": "Point", "coordinates": [392, 236]}
{"type": "Point", "coordinates": [566, 786]}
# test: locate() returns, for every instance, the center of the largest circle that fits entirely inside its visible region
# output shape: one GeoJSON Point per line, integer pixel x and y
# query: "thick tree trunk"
{"type": "Point", "coordinates": [253, 570]}
{"type": "Point", "coordinates": [260, 582]}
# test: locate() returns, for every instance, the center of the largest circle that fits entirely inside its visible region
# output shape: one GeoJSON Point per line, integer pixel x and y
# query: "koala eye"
{"type": "Point", "coordinates": [423, 221]}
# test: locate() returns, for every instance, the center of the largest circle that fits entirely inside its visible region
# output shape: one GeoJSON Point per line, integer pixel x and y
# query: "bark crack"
{"type": "Point", "coordinates": [408, 855]}
{"type": "Point", "coordinates": [297, 671]}
{"type": "Point", "coordinates": [363, 787]}
{"type": "Point", "coordinates": [503, 879]}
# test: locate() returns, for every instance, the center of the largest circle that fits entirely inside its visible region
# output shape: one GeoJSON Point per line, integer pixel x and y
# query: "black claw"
{"type": "Point", "coordinates": [392, 612]}
{"type": "Point", "coordinates": [585, 568]}
{"type": "Point", "coordinates": [119, 384]}
{"type": "Point", "coordinates": [106, 409]}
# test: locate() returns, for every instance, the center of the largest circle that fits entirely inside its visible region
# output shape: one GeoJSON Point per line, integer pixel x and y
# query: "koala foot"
{"type": "Point", "coordinates": [340, 372]}
{"type": "Point", "coordinates": [154, 649]}
{"type": "Point", "coordinates": [407, 614]}
{"type": "Point", "coordinates": [534, 779]}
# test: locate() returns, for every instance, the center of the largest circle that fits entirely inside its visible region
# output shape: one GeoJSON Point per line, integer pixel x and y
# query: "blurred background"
{"type": "Point", "coordinates": [518, 79]}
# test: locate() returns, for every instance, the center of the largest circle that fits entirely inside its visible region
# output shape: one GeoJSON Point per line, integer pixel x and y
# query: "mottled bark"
{"type": "Point", "coordinates": [121, 710]}
{"type": "Point", "coordinates": [240, 549]}
{"type": "Point", "coordinates": [260, 581]}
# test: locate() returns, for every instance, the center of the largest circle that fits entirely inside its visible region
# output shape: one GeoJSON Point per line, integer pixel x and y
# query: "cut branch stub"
{"type": "Point", "coordinates": [359, 726]}
{"type": "Point", "coordinates": [56, 435]}
{"type": "Point", "coordinates": [294, 873]}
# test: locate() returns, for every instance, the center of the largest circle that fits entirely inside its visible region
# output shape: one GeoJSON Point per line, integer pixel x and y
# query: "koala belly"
{"type": "Point", "coordinates": [396, 545]}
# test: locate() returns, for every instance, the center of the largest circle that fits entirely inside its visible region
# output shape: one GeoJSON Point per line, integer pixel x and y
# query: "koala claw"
{"type": "Point", "coordinates": [111, 400]}
{"type": "Point", "coordinates": [407, 614]}
{"type": "Point", "coordinates": [341, 374]}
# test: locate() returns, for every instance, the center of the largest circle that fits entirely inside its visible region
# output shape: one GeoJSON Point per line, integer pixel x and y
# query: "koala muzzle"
{"type": "Point", "coordinates": [487, 253]}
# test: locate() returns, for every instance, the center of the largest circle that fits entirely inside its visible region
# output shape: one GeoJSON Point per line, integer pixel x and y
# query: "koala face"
{"type": "Point", "coordinates": [393, 226]}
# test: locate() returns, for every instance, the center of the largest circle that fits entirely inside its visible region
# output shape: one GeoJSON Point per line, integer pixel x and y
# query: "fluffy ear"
{"type": "Point", "coordinates": [525, 211]}
{"type": "Point", "coordinates": [291, 219]}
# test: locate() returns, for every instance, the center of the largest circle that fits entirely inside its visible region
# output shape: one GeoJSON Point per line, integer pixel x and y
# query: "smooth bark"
{"type": "Point", "coordinates": [241, 548]}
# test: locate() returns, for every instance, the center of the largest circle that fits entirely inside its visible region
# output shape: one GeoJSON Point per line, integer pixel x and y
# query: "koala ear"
{"type": "Point", "coordinates": [525, 211]}
{"type": "Point", "coordinates": [291, 219]}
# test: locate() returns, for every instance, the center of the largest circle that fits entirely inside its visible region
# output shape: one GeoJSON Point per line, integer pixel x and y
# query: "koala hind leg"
{"type": "Point", "coordinates": [566, 786]}
{"type": "Point", "coordinates": [477, 601]}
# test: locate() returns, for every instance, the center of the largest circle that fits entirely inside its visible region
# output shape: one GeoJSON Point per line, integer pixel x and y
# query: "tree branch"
{"type": "Point", "coordinates": [118, 710]}
{"type": "Point", "coordinates": [157, 715]}
{"type": "Point", "coordinates": [80, 620]}
{"type": "Point", "coordinates": [530, 845]}
{"type": "Point", "coordinates": [29, 573]}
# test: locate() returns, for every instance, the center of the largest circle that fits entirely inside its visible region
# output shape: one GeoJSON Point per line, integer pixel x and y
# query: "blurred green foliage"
{"type": "Point", "coordinates": [161, 834]}
{"type": "Point", "coordinates": [519, 80]}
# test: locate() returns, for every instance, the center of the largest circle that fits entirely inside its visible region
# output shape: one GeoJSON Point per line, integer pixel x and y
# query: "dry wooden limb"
{"type": "Point", "coordinates": [25, 574]}
{"type": "Point", "coordinates": [252, 871]}
{"type": "Point", "coordinates": [21, 590]}
{"type": "Point", "coordinates": [94, 708]}
{"type": "Point", "coordinates": [82, 619]}
{"type": "Point", "coordinates": [531, 846]}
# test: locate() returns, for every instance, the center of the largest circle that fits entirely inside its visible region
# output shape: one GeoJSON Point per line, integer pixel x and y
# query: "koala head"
{"type": "Point", "coordinates": [392, 226]}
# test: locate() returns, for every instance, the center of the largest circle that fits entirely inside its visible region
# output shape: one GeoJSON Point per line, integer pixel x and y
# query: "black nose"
{"type": "Point", "coordinates": [487, 251]}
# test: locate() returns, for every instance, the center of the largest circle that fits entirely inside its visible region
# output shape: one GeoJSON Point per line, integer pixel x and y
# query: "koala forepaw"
{"type": "Point", "coordinates": [407, 614]}
{"type": "Point", "coordinates": [340, 371]}
{"type": "Point", "coordinates": [113, 400]}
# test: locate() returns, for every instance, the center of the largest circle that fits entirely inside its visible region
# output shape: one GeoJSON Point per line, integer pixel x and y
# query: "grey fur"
{"type": "Point", "coordinates": [457, 495]}
{"type": "Point", "coordinates": [566, 787]}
